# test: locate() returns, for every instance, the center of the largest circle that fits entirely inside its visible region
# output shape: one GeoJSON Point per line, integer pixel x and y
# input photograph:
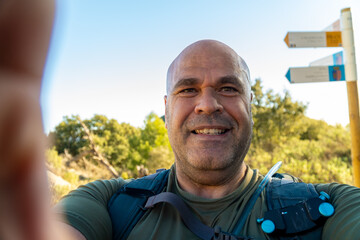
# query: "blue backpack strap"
{"type": "Point", "coordinates": [126, 206]}
{"type": "Point", "coordinates": [280, 194]}
{"type": "Point", "coordinates": [294, 209]}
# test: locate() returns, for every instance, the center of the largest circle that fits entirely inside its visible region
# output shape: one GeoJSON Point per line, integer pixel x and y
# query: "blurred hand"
{"type": "Point", "coordinates": [25, 29]}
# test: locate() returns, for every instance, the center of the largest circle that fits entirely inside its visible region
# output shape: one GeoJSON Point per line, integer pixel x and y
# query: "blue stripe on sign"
{"type": "Point", "coordinates": [337, 73]}
{"type": "Point", "coordinates": [288, 75]}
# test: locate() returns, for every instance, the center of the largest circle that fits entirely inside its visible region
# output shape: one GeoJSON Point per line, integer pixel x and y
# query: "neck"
{"type": "Point", "coordinates": [211, 184]}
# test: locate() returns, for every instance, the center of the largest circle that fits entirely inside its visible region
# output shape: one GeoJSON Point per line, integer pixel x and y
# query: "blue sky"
{"type": "Point", "coordinates": [110, 57]}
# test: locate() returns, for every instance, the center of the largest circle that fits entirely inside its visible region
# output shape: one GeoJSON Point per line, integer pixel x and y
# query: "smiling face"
{"type": "Point", "coordinates": [208, 113]}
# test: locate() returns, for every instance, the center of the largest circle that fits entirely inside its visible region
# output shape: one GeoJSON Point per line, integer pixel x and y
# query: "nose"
{"type": "Point", "coordinates": [208, 103]}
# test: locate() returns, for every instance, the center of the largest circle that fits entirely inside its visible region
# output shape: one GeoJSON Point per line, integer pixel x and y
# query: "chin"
{"type": "Point", "coordinates": [212, 163]}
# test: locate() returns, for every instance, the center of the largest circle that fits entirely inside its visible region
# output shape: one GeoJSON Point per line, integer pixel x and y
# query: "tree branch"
{"type": "Point", "coordinates": [97, 154]}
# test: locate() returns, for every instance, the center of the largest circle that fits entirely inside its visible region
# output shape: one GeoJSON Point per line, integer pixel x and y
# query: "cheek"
{"type": "Point", "coordinates": [239, 110]}
{"type": "Point", "coordinates": [177, 112]}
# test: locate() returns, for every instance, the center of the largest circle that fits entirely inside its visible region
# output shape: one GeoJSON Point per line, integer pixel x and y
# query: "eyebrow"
{"type": "Point", "coordinates": [185, 82]}
{"type": "Point", "coordinates": [231, 79]}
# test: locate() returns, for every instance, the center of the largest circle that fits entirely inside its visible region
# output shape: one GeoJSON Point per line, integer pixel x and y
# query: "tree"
{"type": "Point", "coordinates": [69, 135]}
{"type": "Point", "coordinates": [124, 146]}
{"type": "Point", "coordinates": [275, 117]}
{"type": "Point", "coordinates": [310, 149]}
{"type": "Point", "coordinates": [154, 147]}
{"type": "Point", "coordinates": [112, 138]}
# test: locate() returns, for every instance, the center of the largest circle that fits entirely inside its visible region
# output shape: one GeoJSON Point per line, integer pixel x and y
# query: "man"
{"type": "Point", "coordinates": [208, 116]}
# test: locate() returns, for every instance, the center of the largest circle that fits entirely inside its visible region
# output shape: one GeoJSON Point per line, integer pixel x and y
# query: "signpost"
{"type": "Point", "coordinates": [316, 74]}
{"type": "Point", "coordinates": [335, 59]}
{"type": "Point", "coordinates": [335, 71]}
{"type": "Point", "coordinates": [335, 26]}
{"type": "Point", "coordinates": [313, 39]}
{"type": "Point", "coordinates": [352, 90]}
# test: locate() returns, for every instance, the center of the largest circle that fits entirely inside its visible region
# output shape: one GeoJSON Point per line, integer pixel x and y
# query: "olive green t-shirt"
{"type": "Point", "coordinates": [86, 210]}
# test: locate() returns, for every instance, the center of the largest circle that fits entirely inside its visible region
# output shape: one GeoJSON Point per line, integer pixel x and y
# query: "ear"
{"type": "Point", "coordinates": [165, 101]}
{"type": "Point", "coordinates": [251, 98]}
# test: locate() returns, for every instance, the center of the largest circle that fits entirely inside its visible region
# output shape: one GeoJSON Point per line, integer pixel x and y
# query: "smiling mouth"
{"type": "Point", "coordinates": [210, 131]}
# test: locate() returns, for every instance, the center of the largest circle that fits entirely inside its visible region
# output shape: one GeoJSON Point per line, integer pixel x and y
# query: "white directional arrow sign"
{"type": "Point", "coordinates": [335, 59]}
{"type": "Point", "coordinates": [335, 26]}
{"type": "Point", "coordinates": [316, 74]}
{"type": "Point", "coordinates": [313, 39]}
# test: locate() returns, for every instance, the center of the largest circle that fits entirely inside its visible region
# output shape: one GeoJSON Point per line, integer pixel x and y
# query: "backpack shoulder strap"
{"type": "Point", "coordinates": [293, 208]}
{"type": "Point", "coordinates": [126, 206]}
{"type": "Point", "coordinates": [285, 190]}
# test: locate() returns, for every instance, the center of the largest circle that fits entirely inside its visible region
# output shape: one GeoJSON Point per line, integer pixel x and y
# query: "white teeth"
{"type": "Point", "coordinates": [210, 131]}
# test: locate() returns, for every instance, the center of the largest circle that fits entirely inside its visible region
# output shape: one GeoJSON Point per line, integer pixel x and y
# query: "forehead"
{"type": "Point", "coordinates": [210, 57]}
{"type": "Point", "coordinates": [212, 61]}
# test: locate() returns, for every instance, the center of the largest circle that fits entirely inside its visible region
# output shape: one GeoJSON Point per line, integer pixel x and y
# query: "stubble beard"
{"type": "Point", "coordinates": [210, 170]}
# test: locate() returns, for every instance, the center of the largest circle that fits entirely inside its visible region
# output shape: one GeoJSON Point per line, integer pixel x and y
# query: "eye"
{"type": "Point", "coordinates": [228, 89]}
{"type": "Point", "coordinates": [188, 90]}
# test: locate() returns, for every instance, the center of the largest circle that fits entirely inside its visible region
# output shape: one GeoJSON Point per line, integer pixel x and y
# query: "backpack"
{"type": "Point", "coordinates": [129, 201]}
{"type": "Point", "coordinates": [289, 201]}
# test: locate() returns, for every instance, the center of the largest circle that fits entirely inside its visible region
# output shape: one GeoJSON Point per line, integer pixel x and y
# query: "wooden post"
{"type": "Point", "coordinates": [352, 90]}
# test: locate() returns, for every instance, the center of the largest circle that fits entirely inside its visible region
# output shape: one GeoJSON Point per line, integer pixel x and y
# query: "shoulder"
{"type": "Point", "coordinates": [345, 223]}
{"type": "Point", "coordinates": [99, 190]}
{"type": "Point", "coordinates": [85, 208]}
{"type": "Point", "coordinates": [342, 196]}
{"type": "Point", "coordinates": [338, 191]}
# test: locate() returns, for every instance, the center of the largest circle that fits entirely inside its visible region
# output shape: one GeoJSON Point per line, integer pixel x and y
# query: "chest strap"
{"type": "Point", "coordinates": [192, 223]}
{"type": "Point", "coordinates": [197, 227]}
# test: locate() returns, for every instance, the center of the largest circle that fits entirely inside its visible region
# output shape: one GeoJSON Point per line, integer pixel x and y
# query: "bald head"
{"type": "Point", "coordinates": [196, 51]}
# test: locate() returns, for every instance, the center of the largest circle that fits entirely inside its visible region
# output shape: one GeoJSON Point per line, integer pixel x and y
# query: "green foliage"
{"type": "Point", "coordinates": [154, 139]}
{"type": "Point", "coordinates": [123, 145]}
{"type": "Point", "coordinates": [69, 135]}
{"type": "Point", "coordinates": [310, 149]}
{"type": "Point", "coordinates": [71, 177]}
{"type": "Point", "coordinates": [53, 158]}
{"type": "Point", "coordinates": [112, 138]}
{"type": "Point", "coordinates": [160, 157]}
{"type": "Point", "coordinates": [275, 117]}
